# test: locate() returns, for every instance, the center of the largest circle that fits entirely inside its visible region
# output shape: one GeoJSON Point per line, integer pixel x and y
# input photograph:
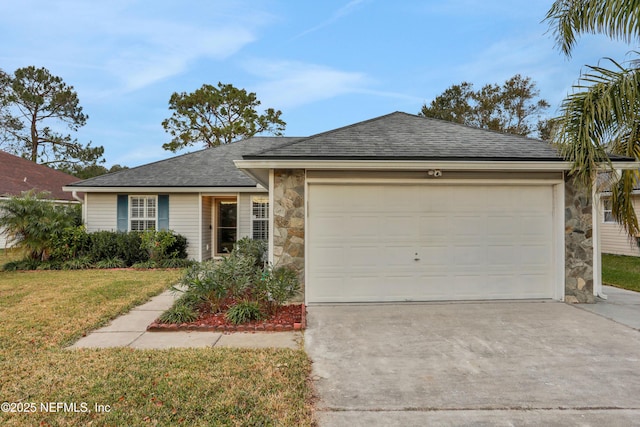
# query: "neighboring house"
{"type": "Point", "coordinates": [201, 195]}
{"type": "Point", "coordinates": [18, 175]}
{"type": "Point", "coordinates": [613, 237]}
{"type": "Point", "coordinates": [397, 208]}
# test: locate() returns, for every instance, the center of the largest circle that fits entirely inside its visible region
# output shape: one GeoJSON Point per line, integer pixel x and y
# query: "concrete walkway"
{"type": "Point", "coordinates": [621, 306]}
{"type": "Point", "coordinates": [130, 330]}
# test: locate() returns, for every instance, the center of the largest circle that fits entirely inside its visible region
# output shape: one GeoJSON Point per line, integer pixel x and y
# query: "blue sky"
{"type": "Point", "coordinates": [325, 64]}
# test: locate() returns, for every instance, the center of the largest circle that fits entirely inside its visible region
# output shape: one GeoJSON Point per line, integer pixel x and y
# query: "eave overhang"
{"type": "Point", "coordinates": [138, 189]}
{"type": "Point", "coordinates": [258, 169]}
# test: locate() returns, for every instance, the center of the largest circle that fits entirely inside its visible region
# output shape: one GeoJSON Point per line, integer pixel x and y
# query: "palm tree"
{"type": "Point", "coordinates": [30, 221]}
{"type": "Point", "coordinates": [602, 116]}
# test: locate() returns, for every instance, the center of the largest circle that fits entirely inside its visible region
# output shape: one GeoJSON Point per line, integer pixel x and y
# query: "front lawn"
{"type": "Point", "coordinates": [621, 271]}
{"type": "Point", "coordinates": [41, 312]}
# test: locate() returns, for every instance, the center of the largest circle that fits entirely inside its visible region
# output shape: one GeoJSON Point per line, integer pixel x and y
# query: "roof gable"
{"type": "Point", "coordinates": [211, 167]}
{"type": "Point", "coordinates": [18, 175]}
{"type": "Point", "coordinates": [402, 136]}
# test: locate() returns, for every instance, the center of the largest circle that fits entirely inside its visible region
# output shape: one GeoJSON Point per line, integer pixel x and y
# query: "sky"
{"type": "Point", "coordinates": [324, 64]}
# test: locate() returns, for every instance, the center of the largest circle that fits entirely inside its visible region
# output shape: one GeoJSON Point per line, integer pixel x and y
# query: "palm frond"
{"type": "Point", "coordinates": [618, 19]}
{"type": "Point", "coordinates": [600, 118]}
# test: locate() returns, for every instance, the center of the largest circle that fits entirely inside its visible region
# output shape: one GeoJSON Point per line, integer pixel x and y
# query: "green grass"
{"type": "Point", "coordinates": [41, 312]}
{"type": "Point", "coordinates": [621, 271]}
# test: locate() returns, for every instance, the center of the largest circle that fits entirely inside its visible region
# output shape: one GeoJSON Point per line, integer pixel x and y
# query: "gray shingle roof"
{"type": "Point", "coordinates": [402, 136]}
{"type": "Point", "coordinates": [212, 167]}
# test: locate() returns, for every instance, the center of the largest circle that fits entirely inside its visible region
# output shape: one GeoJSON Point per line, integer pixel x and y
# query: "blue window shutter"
{"type": "Point", "coordinates": [123, 212]}
{"type": "Point", "coordinates": [163, 212]}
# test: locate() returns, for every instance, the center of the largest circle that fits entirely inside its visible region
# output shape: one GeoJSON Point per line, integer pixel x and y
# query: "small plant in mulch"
{"type": "Point", "coordinates": [236, 290]}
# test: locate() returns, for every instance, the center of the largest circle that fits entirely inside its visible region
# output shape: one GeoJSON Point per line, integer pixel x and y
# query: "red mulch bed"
{"type": "Point", "coordinates": [287, 318]}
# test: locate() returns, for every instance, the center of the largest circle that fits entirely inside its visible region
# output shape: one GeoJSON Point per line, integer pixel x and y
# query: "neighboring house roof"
{"type": "Point", "coordinates": [402, 136]}
{"type": "Point", "coordinates": [211, 167]}
{"type": "Point", "coordinates": [18, 175]}
{"type": "Point", "coordinates": [605, 180]}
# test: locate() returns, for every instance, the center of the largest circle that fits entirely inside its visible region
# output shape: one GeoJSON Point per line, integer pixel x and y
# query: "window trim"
{"type": "Point", "coordinates": [607, 212]}
{"type": "Point", "coordinates": [145, 218]}
{"type": "Point", "coordinates": [265, 219]}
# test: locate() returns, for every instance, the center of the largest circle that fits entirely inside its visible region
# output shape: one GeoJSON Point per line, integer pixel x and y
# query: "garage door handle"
{"type": "Point", "coordinates": [416, 258]}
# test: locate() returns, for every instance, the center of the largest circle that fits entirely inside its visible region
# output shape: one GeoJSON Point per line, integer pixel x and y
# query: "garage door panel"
{"type": "Point", "coordinates": [332, 224]}
{"type": "Point", "coordinates": [362, 226]}
{"type": "Point", "coordinates": [471, 242]}
{"type": "Point", "coordinates": [467, 226]}
{"type": "Point", "coordinates": [394, 256]}
{"type": "Point", "coordinates": [361, 256]}
{"type": "Point", "coordinates": [533, 226]}
{"type": "Point", "coordinates": [434, 226]}
{"type": "Point", "coordinates": [469, 286]}
{"type": "Point", "coordinates": [397, 228]}
{"type": "Point", "coordinates": [434, 256]}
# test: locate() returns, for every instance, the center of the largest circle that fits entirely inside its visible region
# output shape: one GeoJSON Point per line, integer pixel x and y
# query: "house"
{"type": "Point", "coordinates": [397, 208]}
{"type": "Point", "coordinates": [613, 237]}
{"type": "Point", "coordinates": [201, 195]}
{"type": "Point", "coordinates": [18, 175]}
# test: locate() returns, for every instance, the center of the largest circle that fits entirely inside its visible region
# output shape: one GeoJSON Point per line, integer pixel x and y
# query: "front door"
{"type": "Point", "coordinates": [226, 225]}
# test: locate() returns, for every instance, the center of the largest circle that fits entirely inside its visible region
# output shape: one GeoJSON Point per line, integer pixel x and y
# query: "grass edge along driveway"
{"type": "Point", "coordinates": [41, 312]}
{"type": "Point", "coordinates": [621, 271]}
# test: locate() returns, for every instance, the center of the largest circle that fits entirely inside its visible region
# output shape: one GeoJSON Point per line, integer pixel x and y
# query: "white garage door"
{"type": "Point", "coordinates": [371, 243]}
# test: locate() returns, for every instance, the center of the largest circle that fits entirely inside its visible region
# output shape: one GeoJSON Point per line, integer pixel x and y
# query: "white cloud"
{"type": "Point", "coordinates": [126, 45]}
{"type": "Point", "coordinates": [337, 15]}
{"type": "Point", "coordinates": [290, 84]}
{"type": "Point", "coordinates": [164, 49]}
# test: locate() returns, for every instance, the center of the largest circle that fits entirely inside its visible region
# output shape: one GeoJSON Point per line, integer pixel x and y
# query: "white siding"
{"type": "Point", "coordinates": [184, 214]}
{"type": "Point", "coordinates": [101, 212]}
{"type": "Point", "coordinates": [244, 215]}
{"type": "Point", "coordinates": [207, 225]}
{"type": "Point", "coordinates": [184, 219]}
{"type": "Point", "coordinates": [613, 238]}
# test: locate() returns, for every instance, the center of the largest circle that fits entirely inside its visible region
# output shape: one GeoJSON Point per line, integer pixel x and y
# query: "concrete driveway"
{"type": "Point", "coordinates": [494, 363]}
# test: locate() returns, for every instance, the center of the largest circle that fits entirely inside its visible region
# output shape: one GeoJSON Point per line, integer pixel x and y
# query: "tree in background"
{"type": "Point", "coordinates": [213, 116]}
{"type": "Point", "coordinates": [601, 116]}
{"type": "Point", "coordinates": [511, 108]}
{"type": "Point", "coordinates": [33, 105]}
{"type": "Point", "coordinates": [90, 171]}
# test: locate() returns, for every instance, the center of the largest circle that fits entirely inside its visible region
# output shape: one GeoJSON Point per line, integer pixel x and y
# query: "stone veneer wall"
{"type": "Point", "coordinates": [578, 244]}
{"type": "Point", "coordinates": [288, 222]}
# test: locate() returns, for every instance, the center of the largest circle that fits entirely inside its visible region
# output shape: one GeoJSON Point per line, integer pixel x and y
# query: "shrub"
{"type": "Point", "coordinates": [256, 249]}
{"type": "Point", "coordinates": [49, 265]}
{"type": "Point", "coordinates": [69, 243]}
{"type": "Point", "coordinates": [201, 280]}
{"type": "Point", "coordinates": [79, 263]}
{"type": "Point", "coordinates": [277, 286]}
{"type": "Point", "coordinates": [238, 277]}
{"type": "Point", "coordinates": [111, 263]}
{"type": "Point", "coordinates": [236, 274]}
{"type": "Point", "coordinates": [179, 314]}
{"type": "Point", "coordinates": [30, 221]}
{"type": "Point", "coordinates": [110, 244]}
{"type": "Point", "coordinates": [183, 310]}
{"type": "Point", "coordinates": [175, 263]}
{"type": "Point", "coordinates": [23, 264]}
{"type": "Point", "coordinates": [145, 264]}
{"type": "Point", "coordinates": [163, 244]}
{"type": "Point", "coordinates": [244, 311]}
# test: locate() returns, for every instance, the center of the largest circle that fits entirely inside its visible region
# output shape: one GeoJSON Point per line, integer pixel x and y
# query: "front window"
{"type": "Point", "coordinates": [260, 218]}
{"type": "Point", "coordinates": [143, 213]}
{"type": "Point", "coordinates": [607, 214]}
{"type": "Point", "coordinates": [226, 229]}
